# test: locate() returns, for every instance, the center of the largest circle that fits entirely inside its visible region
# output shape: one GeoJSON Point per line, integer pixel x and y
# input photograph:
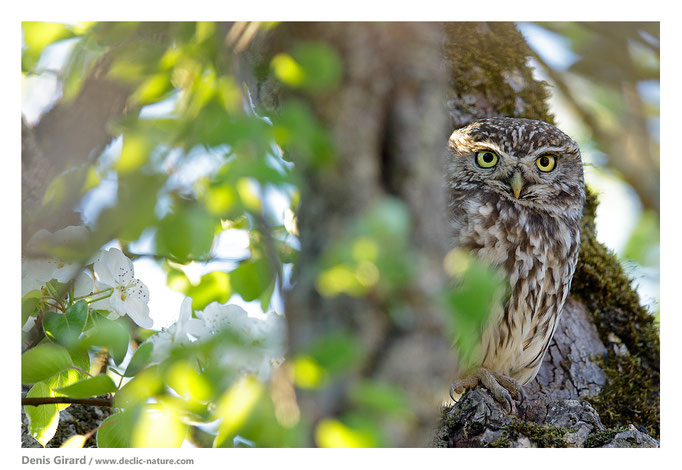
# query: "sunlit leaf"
{"type": "Point", "coordinates": [158, 427]}
{"type": "Point", "coordinates": [65, 378]}
{"type": "Point", "coordinates": [43, 361]}
{"type": "Point", "coordinates": [74, 442]}
{"type": "Point", "coordinates": [134, 154]}
{"type": "Point", "coordinates": [37, 36]}
{"type": "Point", "coordinates": [288, 70]}
{"type": "Point", "coordinates": [248, 194]}
{"type": "Point", "coordinates": [320, 64]}
{"type": "Point", "coordinates": [43, 419]}
{"type": "Point", "coordinates": [188, 382]}
{"type": "Point", "coordinates": [339, 279]}
{"type": "Point", "coordinates": [153, 89]}
{"type": "Point", "coordinates": [139, 389]}
{"type": "Point", "coordinates": [307, 373]}
{"type": "Point", "coordinates": [90, 387]}
{"type": "Point", "coordinates": [313, 66]}
{"type": "Point", "coordinates": [213, 287]}
{"type": "Point", "coordinates": [220, 199]}
{"type": "Point", "coordinates": [117, 430]}
{"type": "Point", "coordinates": [142, 357]}
{"type": "Point", "coordinates": [333, 433]}
{"type": "Point", "coordinates": [235, 406]}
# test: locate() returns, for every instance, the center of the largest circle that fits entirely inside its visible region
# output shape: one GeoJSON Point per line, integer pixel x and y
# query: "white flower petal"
{"type": "Point", "coordinates": [84, 285]}
{"type": "Point", "coordinates": [113, 267]}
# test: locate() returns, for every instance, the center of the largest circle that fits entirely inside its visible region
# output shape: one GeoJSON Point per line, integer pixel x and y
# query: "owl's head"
{"type": "Point", "coordinates": [530, 163]}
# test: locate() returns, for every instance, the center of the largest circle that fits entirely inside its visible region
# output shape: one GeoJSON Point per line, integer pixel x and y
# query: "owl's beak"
{"type": "Point", "coordinates": [516, 183]}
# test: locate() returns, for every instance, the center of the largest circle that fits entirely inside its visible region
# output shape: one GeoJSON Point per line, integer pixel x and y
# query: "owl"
{"type": "Point", "coordinates": [516, 194]}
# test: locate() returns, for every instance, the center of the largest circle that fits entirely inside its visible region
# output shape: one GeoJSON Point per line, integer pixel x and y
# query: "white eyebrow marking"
{"type": "Point", "coordinates": [549, 149]}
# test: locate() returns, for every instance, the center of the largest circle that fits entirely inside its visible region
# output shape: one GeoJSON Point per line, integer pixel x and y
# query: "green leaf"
{"type": "Point", "coordinates": [135, 208]}
{"type": "Point", "coordinates": [43, 361]}
{"type": "Point", "coordinates": [139, 389]}
{"type": "Point", "coordinates": [297, 129]}
{"type": "Point", "coordinates": [159, 427]}
{"type": "Point", "coordinates": [321, 66]}
{"type": "Point", "coordinates": [251, 279]}
{"type": "Point", "coordinates": [213, 287]}
{"type": "Point", "coordinates": [153, 89]}
{"type": "Point", "coordinates": [110, 334]}
{"type": "Point", "coordinates": [90, 387]}
{"type": "Point", "coordinates": [29, 303]}
{"type": "Point", "coordinates": [44, 419]}
{"type": "Point", "coordinates": [187, 233]}
{"type": "Point", "coordinates": [142, 357]}
{"type": "Point", "coordinates": [63, 379]}
{"type": "Point", "coordinates": [470, 303]}
{"type": "Point", "coordinates": [39, 35]}
{"type": "Point", "coordinates": [74, 442]}
{"type": "Point", "coordinates": [66, 328]}
{"type": "Point", "coordinates": [315, 67]}
{"type": "Point", "coordinates": [117, 430]}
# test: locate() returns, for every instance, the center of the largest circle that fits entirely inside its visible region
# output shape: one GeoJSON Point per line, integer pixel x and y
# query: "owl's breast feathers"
{"type": "Point", "coordinates": [538, 253]}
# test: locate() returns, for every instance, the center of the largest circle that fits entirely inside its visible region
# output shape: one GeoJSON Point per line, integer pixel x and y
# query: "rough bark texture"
{"type": "Point", "coordinates": [75, 419]}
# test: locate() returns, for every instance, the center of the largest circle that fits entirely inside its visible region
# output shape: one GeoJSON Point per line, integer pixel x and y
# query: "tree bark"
{"type": "Point", "coordinates": [391, 88]}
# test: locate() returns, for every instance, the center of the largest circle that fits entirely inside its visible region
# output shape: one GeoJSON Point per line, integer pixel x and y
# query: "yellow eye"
{"type": "Point", "coordinates": [486, 159]}
{"type": "Point", "coordinates": [546, 162]}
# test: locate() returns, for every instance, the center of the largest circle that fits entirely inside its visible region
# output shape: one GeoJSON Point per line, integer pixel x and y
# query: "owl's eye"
{"type": "Point", "coordinates": [546, 162]}
{"type": "Point", "coordinates": [486, 159]}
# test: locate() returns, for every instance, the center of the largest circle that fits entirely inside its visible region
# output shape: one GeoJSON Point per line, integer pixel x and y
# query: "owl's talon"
{"type": "Point", "coordinates": [499, 385]}
{"type": "Point", "coordinates": [458, 386]}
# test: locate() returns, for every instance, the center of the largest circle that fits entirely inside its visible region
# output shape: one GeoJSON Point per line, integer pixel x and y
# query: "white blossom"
{"type": "Point", "coordinates": [130, 296]}
{"type": "Point", "coordinates": [184, 330]}
{"type": "Point", "coordinates": [264, 336]}
{"type": "Point", "coordinates": [36, 272]}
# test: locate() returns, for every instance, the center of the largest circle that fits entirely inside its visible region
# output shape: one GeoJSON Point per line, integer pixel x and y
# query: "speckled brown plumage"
{"type": "Point", "coordinates": [524, 221]}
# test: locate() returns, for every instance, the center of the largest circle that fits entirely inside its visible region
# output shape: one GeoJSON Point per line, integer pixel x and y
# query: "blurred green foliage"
{"type": "Point", "coordinates": [186, 68]}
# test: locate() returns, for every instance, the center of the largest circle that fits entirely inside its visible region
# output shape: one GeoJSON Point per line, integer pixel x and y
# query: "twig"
{"type": "Point", "coordinates": [36, 401]}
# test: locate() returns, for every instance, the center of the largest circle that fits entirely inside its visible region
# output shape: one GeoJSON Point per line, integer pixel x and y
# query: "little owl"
{"type": "Point", "coordinates": [516, 195]}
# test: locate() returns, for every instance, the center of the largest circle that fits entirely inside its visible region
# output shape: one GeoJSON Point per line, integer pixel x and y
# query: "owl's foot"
{"type": "Point", "coordinates": [501, 386]}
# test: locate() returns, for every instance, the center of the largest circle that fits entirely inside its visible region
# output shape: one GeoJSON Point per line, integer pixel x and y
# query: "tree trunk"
{"type": "Point", "coordinates": [388, 124]}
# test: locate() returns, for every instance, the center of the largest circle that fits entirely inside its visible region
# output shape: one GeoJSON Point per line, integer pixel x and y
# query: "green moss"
{"type": "Point", "coordinates": [598, 439]}
{"type": "Point", "coordinates": [632, 391]}
{"type": "Point", "coordinates": [540, 435]}
{"type": "Point", "coordinates": [486, 59]}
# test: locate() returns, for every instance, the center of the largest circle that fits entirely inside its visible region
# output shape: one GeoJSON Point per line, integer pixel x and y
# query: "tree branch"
{"type": "Point", "coordinates": [37, 401]}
